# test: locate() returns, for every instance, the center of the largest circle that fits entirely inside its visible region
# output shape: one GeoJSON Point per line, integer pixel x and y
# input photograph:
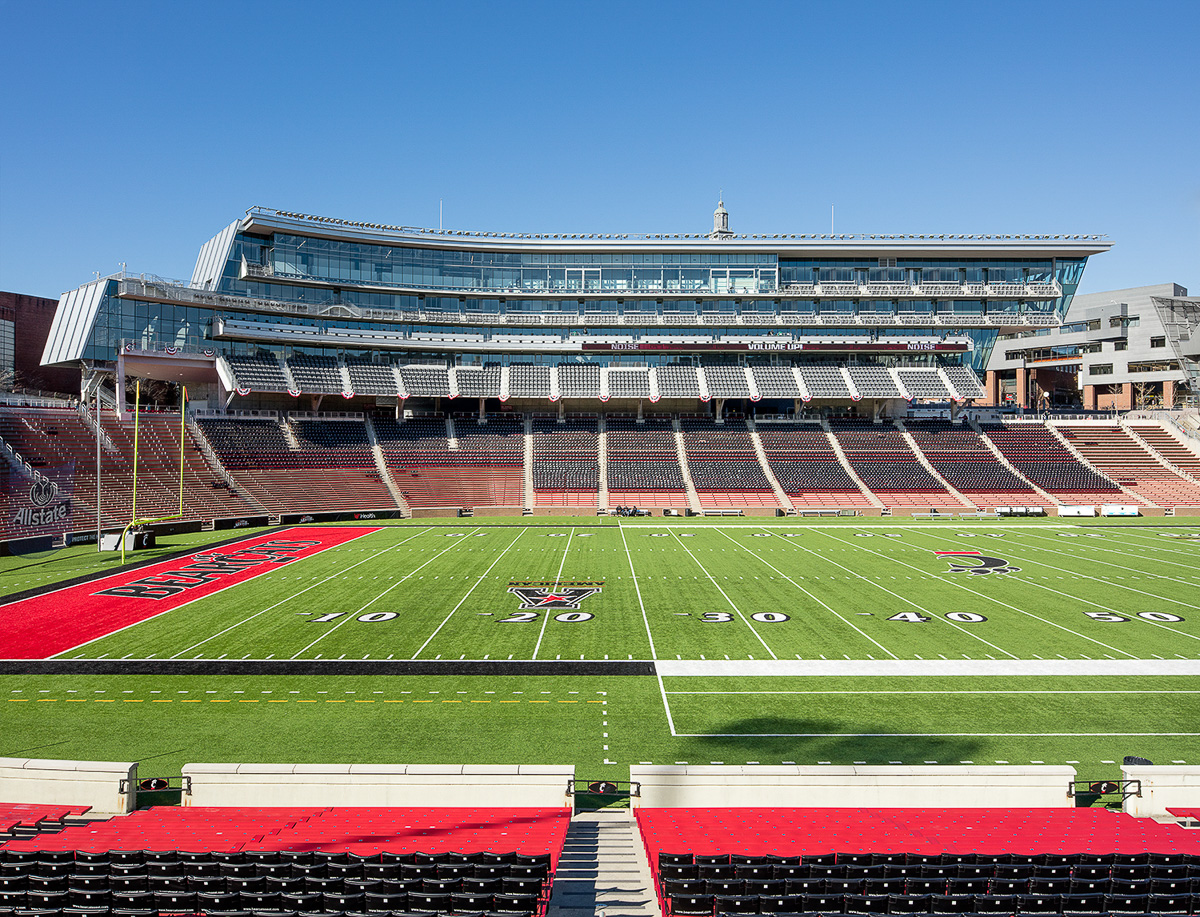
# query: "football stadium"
{"type": "Point", "coordinates": [385, 570]}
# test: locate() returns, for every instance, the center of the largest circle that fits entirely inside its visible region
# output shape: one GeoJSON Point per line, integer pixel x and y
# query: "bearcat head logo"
{"type": "Point", "coordinates": [551, 594]}
{"type": "Point", "coordinates": [43, 491]}
{"type": "Point", "coordinates": [975, 563]}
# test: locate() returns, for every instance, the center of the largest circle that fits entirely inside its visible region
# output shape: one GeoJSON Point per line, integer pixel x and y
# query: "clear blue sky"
{"type": "Point", "coordinates": [134, 131]}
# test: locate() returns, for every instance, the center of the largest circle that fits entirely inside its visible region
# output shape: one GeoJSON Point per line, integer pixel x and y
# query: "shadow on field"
{"type": "Point", "coordinates": [801, 740]}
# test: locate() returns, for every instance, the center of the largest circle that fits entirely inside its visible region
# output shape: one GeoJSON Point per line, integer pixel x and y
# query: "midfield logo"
{"type": "Point", "coordinates": [551, 594]}
{"type": "Point", "coordinates": [975, 563]}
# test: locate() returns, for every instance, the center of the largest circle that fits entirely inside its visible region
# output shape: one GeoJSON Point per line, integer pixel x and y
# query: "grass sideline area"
{"type": "Point", "coordinates": [777, 597]}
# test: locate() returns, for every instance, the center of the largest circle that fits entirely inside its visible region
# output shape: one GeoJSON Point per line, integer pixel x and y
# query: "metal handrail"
{"type": "Point", "coordinates": [1124, 788]}
{"type": "Point", "coordinates": [601, 787]}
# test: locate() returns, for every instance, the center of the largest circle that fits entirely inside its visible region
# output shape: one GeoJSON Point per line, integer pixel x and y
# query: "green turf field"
{"type": "Point", "coordinates": [774, 642]}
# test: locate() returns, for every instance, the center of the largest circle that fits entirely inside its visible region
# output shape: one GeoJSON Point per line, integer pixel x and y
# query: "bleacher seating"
{"type": "Point", "coordinates": [499, 441]}
{"type": "Point", "coordinates": [775, 382]}
{"type": "Point", "coordinates": [481, 382]}
{"type": "Point", "coordinates": [326, 861]}
{"type": "Point", "coordinates": [676, 381]}
{"type": "Point", "coordinates": [963, 378]}
{"type": "Point", "coordinates": [330, 469]}
{"type": "Point", "coordinates": [50, 438]}
{"type": "Point", "coordinates": [487, 468]}
{"type": "Point", "coordinates": [726, 381]}
{"type": "Point", "coordinates": [874, 382]}
{"type": "Point", "coordinates": [629, 383]}
{"type": "Point", "coordinates": [1077, 862]}
{"type": "Point", "coordinates": [579, 380]}
{"type": "Point", "coordinates": [315, 374]}
{"type": "Point", "coordinates": [806, 467]}
{"type": "Point", "coordinates": [368, 378]}
{"type": "Point", "coordinates": [1166, 445]}
{"type": "Point", "coordinates": [527, 380]}
{"type": "Point", "coordinates": [825, 381]}
{"type": "Point", "coordinates": [724, 466]}
{"type": "Point", "coordinates": [34, 815]}
{"type": "Point", "coordinates": [566, 462]}
{"type": "Point", "coordinates": [643, 464]}
{"type": "Point", "coordinates": [426, 381]}
{"type": "Point", "coordinates": [1043, 460]}
{"type": "Point", "coordinates": [258, 373]}
{"type": "Point", "coordinates": [967, 465]}
{"type": "Point", "coordinates": [1123, 459]}
{"type": "Point", "coordinates": [924, 384]}
{"type": "Point", "coordinates": [885, 463]}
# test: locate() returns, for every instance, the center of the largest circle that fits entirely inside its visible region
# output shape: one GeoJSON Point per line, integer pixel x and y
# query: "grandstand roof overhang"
{"type": "Point", "coordinates": [265, 221]}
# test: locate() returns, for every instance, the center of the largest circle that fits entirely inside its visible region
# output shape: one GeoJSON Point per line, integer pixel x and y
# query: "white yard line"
{"type": "Point", "coordinates": [928, 575]}
{"type": "Point", "coordinates": [932, 615]}
{"type": "Point", "coordinates": [646, 621]}
{"type": "Point", "coordinates": [340, 572]}
{"type": "Point", "coordinates": [679, 541]}
{"type": "Point", "coordinates": [1093, 546]}
{"type": "Point", "coordinates": [1106, 563]}
{"type": "Point", "coordinates": [955, 693]}
{"type": "Point", "coordinates": [479, 580]}
{"type": "Point", "coordinates": [557, 579]}
{"type": "Point", "coordinates": [1160, 543]}
{"type": "Point", "coordinates": [1107, 583]}
{"type": "Point", "coordinates": [926, 668]}
{"type": "Point", "coordinates": [638, 590]}
{"type": "Point", "coordinates": [351, 615]}
{"type": "Point", "coordinates": [813, 597]}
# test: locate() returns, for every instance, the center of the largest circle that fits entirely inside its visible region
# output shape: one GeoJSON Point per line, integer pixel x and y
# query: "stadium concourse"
{"type": "Point", "coordinates": [386, 378]}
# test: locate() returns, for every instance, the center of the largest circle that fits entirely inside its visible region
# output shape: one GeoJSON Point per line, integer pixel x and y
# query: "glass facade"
{"type": "Point", "coordinates": [703, 296]}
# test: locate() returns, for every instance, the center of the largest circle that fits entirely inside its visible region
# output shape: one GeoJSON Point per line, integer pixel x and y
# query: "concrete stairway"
{"type": "Point", "coordinates": [603, 869]}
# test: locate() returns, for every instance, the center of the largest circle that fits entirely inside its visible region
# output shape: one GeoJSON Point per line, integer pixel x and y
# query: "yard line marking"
{"type": "Point", "coordinates": [905, 668]}
{"type": "Point", "coordinates": [810, 595]}
{"type": "Point", "coordinates": [1109, 583]}
{"type": "Point", "coordinates": [1095, 547]}
{"type": "Point", "coordinates": [298, 594]}
{"type": "Point", "coordinates": [351, 615]}
{"type": "Point", "coordinates": [645, 621]}
{"type": "Point", "coordinates": [1159, 545]}
{"type": "Point", "coordinates": [908, 601]}
{"type": "Point", "coordinates": [638, 590]}
{"type": "Point", "coordinates": [679, 541]}
{"type": "Point", "coordinates": [870, 693]}
{"type": "Point", "coordinates": [557, 579]}
{"type": "Point", "coordinates": [983, 596]}
{"type": "Point", "coordinates": [478, 580]}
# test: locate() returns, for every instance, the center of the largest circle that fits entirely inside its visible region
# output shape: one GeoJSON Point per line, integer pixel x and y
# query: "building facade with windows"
{"type": "Point", "coordinates": [284, 304]}
{"type": "Point", "coordinates": [1118, 350]}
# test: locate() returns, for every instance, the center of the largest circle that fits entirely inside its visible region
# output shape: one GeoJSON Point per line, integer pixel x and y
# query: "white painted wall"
{"type": "Point", "coordinates": [70, 783]}
{"type": "Point", "coordinates": [430, 785]}
{"type": "Point", "coordinates": [886, 786]}
{"type": "Point", "coordinates": [1163, 786]}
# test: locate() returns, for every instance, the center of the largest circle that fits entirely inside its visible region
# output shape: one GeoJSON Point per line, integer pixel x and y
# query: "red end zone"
{"type": "Point", "coordinates": [49, 624]}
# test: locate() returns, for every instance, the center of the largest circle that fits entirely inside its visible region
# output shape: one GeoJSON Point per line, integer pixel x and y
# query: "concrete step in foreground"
{"type": "Point", "coordinates": [603, 869]}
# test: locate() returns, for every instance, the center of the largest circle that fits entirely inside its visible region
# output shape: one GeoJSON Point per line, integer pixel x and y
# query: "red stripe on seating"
{"type": "Point", "coordinates": [46, 625]}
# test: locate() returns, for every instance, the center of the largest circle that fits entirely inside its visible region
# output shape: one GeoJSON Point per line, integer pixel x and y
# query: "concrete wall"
{"type": "Point", "coordinates": [70, 783]}
{"type": "Point", "coordinates": [1163, 786]}
{"type": "Point", "coordinates": [430, 785]}
{"type": "Point", "coordinates": [891, 786]}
